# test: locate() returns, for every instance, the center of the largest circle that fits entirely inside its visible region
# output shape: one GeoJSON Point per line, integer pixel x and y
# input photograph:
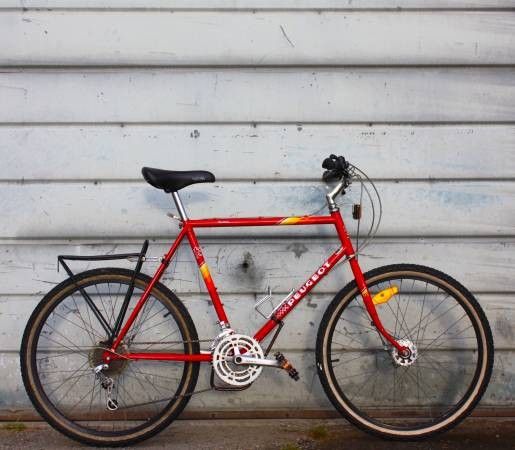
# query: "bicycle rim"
{"type": "Point", "coordinates": [449, 370]}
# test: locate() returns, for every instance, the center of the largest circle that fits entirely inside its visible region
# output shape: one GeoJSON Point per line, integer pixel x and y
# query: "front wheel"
{"type": "Point", "coordinates": [414, 397]}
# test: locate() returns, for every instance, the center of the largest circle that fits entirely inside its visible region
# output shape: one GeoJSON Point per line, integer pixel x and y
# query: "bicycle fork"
{"type": "Point", "coordinates": [362, 285]}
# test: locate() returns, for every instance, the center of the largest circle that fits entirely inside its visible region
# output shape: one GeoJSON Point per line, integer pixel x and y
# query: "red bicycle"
{"type": "Point", "coordinates": [111, 356]}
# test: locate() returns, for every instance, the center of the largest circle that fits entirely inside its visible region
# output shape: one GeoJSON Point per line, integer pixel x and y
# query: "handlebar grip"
{"type": "Point", "coordinates": [330, 163]}
{"type": "Point", "coordinates": [337, 168]}
{"type": "Point", "coordinates": [335, 162]}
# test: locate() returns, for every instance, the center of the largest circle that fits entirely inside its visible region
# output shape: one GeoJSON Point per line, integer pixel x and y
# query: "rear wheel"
{"type": "Point", "coordinates": [64, 341]}
{"type": "Point", "coordinates": [426, 392]}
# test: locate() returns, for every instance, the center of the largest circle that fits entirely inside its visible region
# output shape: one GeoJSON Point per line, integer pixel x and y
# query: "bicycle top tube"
{"type": "Point", "coordinates": [263, 221]}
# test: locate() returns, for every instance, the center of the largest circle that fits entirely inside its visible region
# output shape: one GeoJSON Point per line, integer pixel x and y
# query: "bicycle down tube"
{"type": "Point", "coordinates": [187, 230]}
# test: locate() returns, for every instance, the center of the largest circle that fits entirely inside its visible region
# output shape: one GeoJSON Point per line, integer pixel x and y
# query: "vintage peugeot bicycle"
{"type": "Point", "coordinates": [111, 356]}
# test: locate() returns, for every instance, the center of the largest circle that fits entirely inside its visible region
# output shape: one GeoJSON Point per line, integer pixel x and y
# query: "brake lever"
{"type": "Point", "coordinates": [329, 163]}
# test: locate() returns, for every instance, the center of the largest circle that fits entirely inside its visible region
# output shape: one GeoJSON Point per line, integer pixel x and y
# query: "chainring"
{"type": "Point", "coordinates": [223, 359]}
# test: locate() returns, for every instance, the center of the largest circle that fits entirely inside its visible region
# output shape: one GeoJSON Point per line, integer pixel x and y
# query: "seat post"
{"type": "Point", "coordinates": [179, 205]}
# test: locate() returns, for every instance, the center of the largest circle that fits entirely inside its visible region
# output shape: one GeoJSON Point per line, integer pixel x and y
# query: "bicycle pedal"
{"type": "Point", "coordinates": [287, 365]}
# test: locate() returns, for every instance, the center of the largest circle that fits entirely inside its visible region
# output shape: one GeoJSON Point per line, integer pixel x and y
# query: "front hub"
{"type": "Point", "coordinates": [408, 356]}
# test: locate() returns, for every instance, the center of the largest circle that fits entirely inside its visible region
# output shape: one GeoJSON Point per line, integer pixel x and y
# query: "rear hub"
{"type": "Point", "coordinates": [115, 366]}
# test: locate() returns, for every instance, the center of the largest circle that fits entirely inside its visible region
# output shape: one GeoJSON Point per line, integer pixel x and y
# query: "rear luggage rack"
{"type": "Point", "coordinates": [138, 257]}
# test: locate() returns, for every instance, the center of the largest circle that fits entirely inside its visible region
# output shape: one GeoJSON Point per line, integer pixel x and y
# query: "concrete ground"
{"type": "Point", "coordinates": [281, 434]}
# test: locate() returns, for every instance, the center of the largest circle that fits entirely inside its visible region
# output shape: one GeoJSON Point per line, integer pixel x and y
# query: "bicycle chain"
{"type": "Point", "coordinates": [175, 397]}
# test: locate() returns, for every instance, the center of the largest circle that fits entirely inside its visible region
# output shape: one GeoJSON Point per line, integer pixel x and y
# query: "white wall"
{"type": "Point", "coordinates": [420, 94]}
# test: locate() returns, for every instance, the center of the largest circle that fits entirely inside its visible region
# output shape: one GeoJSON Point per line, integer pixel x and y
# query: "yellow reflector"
{"type": "Point", "coordinates": [385, 295]}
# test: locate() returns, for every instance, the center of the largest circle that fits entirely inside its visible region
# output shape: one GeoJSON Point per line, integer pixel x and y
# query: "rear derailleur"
{"type": "Point", "coordinates": [107, 383]}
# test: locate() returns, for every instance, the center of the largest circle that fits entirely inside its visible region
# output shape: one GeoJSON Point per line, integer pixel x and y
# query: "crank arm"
{"type": "Point", "coordinates": [249, 360]}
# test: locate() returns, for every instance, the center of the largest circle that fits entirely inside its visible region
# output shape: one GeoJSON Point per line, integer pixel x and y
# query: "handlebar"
{"type": "Point", "coordinates": [337, 168]}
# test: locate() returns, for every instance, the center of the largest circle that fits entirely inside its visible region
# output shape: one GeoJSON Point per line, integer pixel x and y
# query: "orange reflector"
{"type": "Point", "coordinates": [385, 295]}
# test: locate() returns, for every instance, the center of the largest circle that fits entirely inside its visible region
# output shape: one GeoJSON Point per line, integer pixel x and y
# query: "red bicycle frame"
{"type": "Point", "coordinates": [187, 230]}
